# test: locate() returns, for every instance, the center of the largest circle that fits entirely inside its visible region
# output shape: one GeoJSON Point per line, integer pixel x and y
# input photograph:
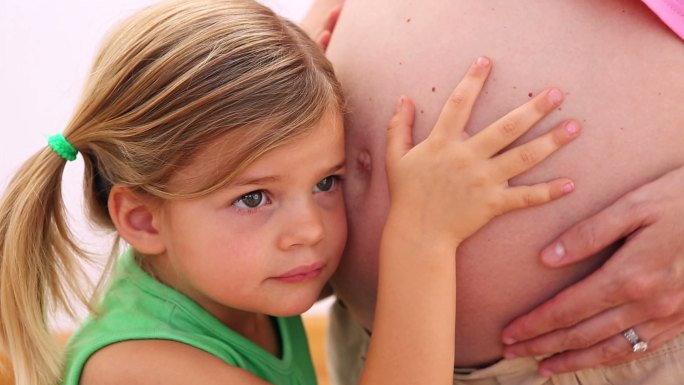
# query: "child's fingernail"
{"type": "Point", "coordinates": [553, 254]}
{"type": "Point", "coordinates": [482, 61]}
{"type": "Point", "coordinates": [400, 104]}
{"type": "Point", "coordinates": [568, 187]}
{"type": "Point", "coordinates": [555, 96]}
{"type": "Point", "coordinates": [546, 373]}
{"type": "Point", "coordinates": [571, 128]}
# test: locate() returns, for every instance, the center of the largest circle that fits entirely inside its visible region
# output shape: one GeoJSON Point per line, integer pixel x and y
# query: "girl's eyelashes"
{"type": "Point", "coordinates": [329, 183]}
{"type": "Point", "coordinates": [252, 200]}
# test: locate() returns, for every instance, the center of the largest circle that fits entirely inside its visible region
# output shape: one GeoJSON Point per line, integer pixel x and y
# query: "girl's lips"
{"type": "Point", "coordinates": [302, 273]}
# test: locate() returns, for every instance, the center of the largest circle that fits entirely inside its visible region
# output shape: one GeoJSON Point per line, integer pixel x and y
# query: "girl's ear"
{"type": "Point", "coordinates": [136, 220]}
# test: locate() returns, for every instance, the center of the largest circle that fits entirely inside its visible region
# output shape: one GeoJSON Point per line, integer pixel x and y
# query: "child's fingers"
{"type": "Point", "coordinates": [510, 127]}
{"type": "Point", "coordinates": [520, 159]}
{"type": "Point", "coordinates": [399, 136]}
{"type": "Point", "coordinates": [456, 111]}
{"type": "Point", "coordinates": [527, 196]}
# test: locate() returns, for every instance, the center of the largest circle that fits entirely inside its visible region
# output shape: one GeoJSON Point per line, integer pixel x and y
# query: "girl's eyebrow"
{"type": "Point", "coordinates": [337, 167]}
{"type": "Point", "coordinates": [275, 178]}
{"type": "Point", "coordinates": [262, 180]}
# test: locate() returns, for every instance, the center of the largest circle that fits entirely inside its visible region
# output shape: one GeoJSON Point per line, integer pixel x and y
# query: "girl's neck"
{"type": "Point", "coordinates": [262, 330]}
{"type": "Point", "coordinates": [256, 327]}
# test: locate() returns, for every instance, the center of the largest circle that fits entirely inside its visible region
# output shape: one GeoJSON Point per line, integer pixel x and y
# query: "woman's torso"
{"type": "Point", "coordinates": [621, 70]}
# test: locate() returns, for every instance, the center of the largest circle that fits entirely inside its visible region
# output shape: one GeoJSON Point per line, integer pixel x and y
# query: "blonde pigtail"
{"type": "Point", "coordinates": [38, 268]}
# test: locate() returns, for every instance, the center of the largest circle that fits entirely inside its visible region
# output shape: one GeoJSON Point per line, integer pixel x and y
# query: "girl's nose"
{"type": "Point", "coordinates": [303, 226]}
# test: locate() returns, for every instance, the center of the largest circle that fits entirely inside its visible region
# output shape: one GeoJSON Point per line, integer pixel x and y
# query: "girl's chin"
{"type": "Point", "coordinates": [294, 307]}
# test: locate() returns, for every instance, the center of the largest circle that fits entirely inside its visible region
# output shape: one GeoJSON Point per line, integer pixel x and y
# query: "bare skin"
{"type": "Point", "coordinates": [620, 68]}
{"type": "Point", "coordinates": [418, 266]}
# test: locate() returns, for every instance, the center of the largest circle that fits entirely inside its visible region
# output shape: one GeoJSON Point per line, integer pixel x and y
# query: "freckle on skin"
{"type": "Point", "coordinates": [434, 89]}
{"type": "Point", "coordinates": [422, 111]}
{"type": "Point", "coordinates": [408, 20]}
{"type": "Point", "coordinates": [530, 94]}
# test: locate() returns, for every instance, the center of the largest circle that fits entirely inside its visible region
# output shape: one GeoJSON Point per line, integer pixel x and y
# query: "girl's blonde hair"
{"type": "Point", "coordinates": [168, 81]}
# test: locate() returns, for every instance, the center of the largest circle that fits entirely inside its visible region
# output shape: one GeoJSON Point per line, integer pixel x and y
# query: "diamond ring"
{"type": "Point", "coordinates": [638, 346]}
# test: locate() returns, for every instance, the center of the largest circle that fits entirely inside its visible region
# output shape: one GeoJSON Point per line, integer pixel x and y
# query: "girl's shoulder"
{"type": "Point", "coordinates": [160, 361]}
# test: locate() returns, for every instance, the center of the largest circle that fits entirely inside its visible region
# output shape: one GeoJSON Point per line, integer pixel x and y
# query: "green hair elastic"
{"type": "Point", "coordinates": [62, 146]}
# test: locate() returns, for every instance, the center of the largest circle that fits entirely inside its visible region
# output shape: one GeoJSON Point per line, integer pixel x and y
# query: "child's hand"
{"type": "Point", "coordinates": [449, 186]}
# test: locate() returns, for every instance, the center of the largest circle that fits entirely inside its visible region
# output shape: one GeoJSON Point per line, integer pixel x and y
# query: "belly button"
{"type": "Point", "coordinates": [364, 162]}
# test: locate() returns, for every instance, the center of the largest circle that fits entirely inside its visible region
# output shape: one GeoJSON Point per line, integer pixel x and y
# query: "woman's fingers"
{"type": "Point", "coordinates": [456, 111]}
{"type": "Point", "coordinates": [520, 159]}
{"type": "Point", "coordinates": [607, 352]}
{"type": "Point", "coordinates": [510, 127]}
{"type": "Point", "coordinates": [323, 37]}
{"type": "Point", "coordinates": [654, 343]}
{"type": "Point", "coordinates": [598, 341]}
{"type": "Point", "coordinates": [582, 335]}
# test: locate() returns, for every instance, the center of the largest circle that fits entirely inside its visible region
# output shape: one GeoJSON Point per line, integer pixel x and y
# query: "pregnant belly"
{"type": "Point", "coordinates": [622, 73]}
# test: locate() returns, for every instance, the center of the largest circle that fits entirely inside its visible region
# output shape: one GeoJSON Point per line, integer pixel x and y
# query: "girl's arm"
{"type": "Point", "coordinates": [442, 191]}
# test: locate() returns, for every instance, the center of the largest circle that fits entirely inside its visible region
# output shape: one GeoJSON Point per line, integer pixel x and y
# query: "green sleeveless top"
{"type": "Point", "coordinates": [136, 306]}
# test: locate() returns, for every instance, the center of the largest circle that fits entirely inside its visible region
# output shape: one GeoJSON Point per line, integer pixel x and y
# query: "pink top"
{"type": "Point", "coordinates": [671, 12]}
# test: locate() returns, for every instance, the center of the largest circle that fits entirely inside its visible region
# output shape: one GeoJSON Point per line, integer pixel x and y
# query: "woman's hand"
{"type": "Point", "coordinates": [450, 185]}
{"type": "Point", "coordinates": [641, 286]}
{"type": "Point", "coordinates": [319, 22]}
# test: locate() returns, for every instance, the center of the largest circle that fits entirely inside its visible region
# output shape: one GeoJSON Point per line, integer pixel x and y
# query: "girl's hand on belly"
{"type": "Point", "coordinates": [641, 286]}
{"type": "Point", "coordinates": [454, 183]}
{"type": "Point", "coordinates": [442, 190]}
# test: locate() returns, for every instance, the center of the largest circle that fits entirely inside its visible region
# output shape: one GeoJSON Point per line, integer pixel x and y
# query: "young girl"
{"type": "Point", "coordinates": [212, 138]}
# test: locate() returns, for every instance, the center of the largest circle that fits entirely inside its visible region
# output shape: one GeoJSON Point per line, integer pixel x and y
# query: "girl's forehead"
{"type": "Point", "coordinates": [203, 165]}
{"type": "Point", "coordinates": [219, 157]}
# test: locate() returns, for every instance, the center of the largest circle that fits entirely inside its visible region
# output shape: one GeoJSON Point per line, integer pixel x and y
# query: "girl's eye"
{"type": "Point", "coordinates": [326, 184]}
{"type": "Point", "coordinates": [251, 200]}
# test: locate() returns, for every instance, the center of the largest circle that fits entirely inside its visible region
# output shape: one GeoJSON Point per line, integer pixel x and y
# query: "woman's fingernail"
{"type": "Point", "coordinates": [482, 61]}
{"type": "Point", "coordinates": [509, 340]}
{"type": "Point", "coordinates": [510, 355]}
{"type": "Point", "coordinates": [571, 128]}
{"type": "Point", "coordinates": [553, 254]}
{"type": "Point", "coordinates": [555, 96]}
{"type": "Point", "coordinates": [400, 104]}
